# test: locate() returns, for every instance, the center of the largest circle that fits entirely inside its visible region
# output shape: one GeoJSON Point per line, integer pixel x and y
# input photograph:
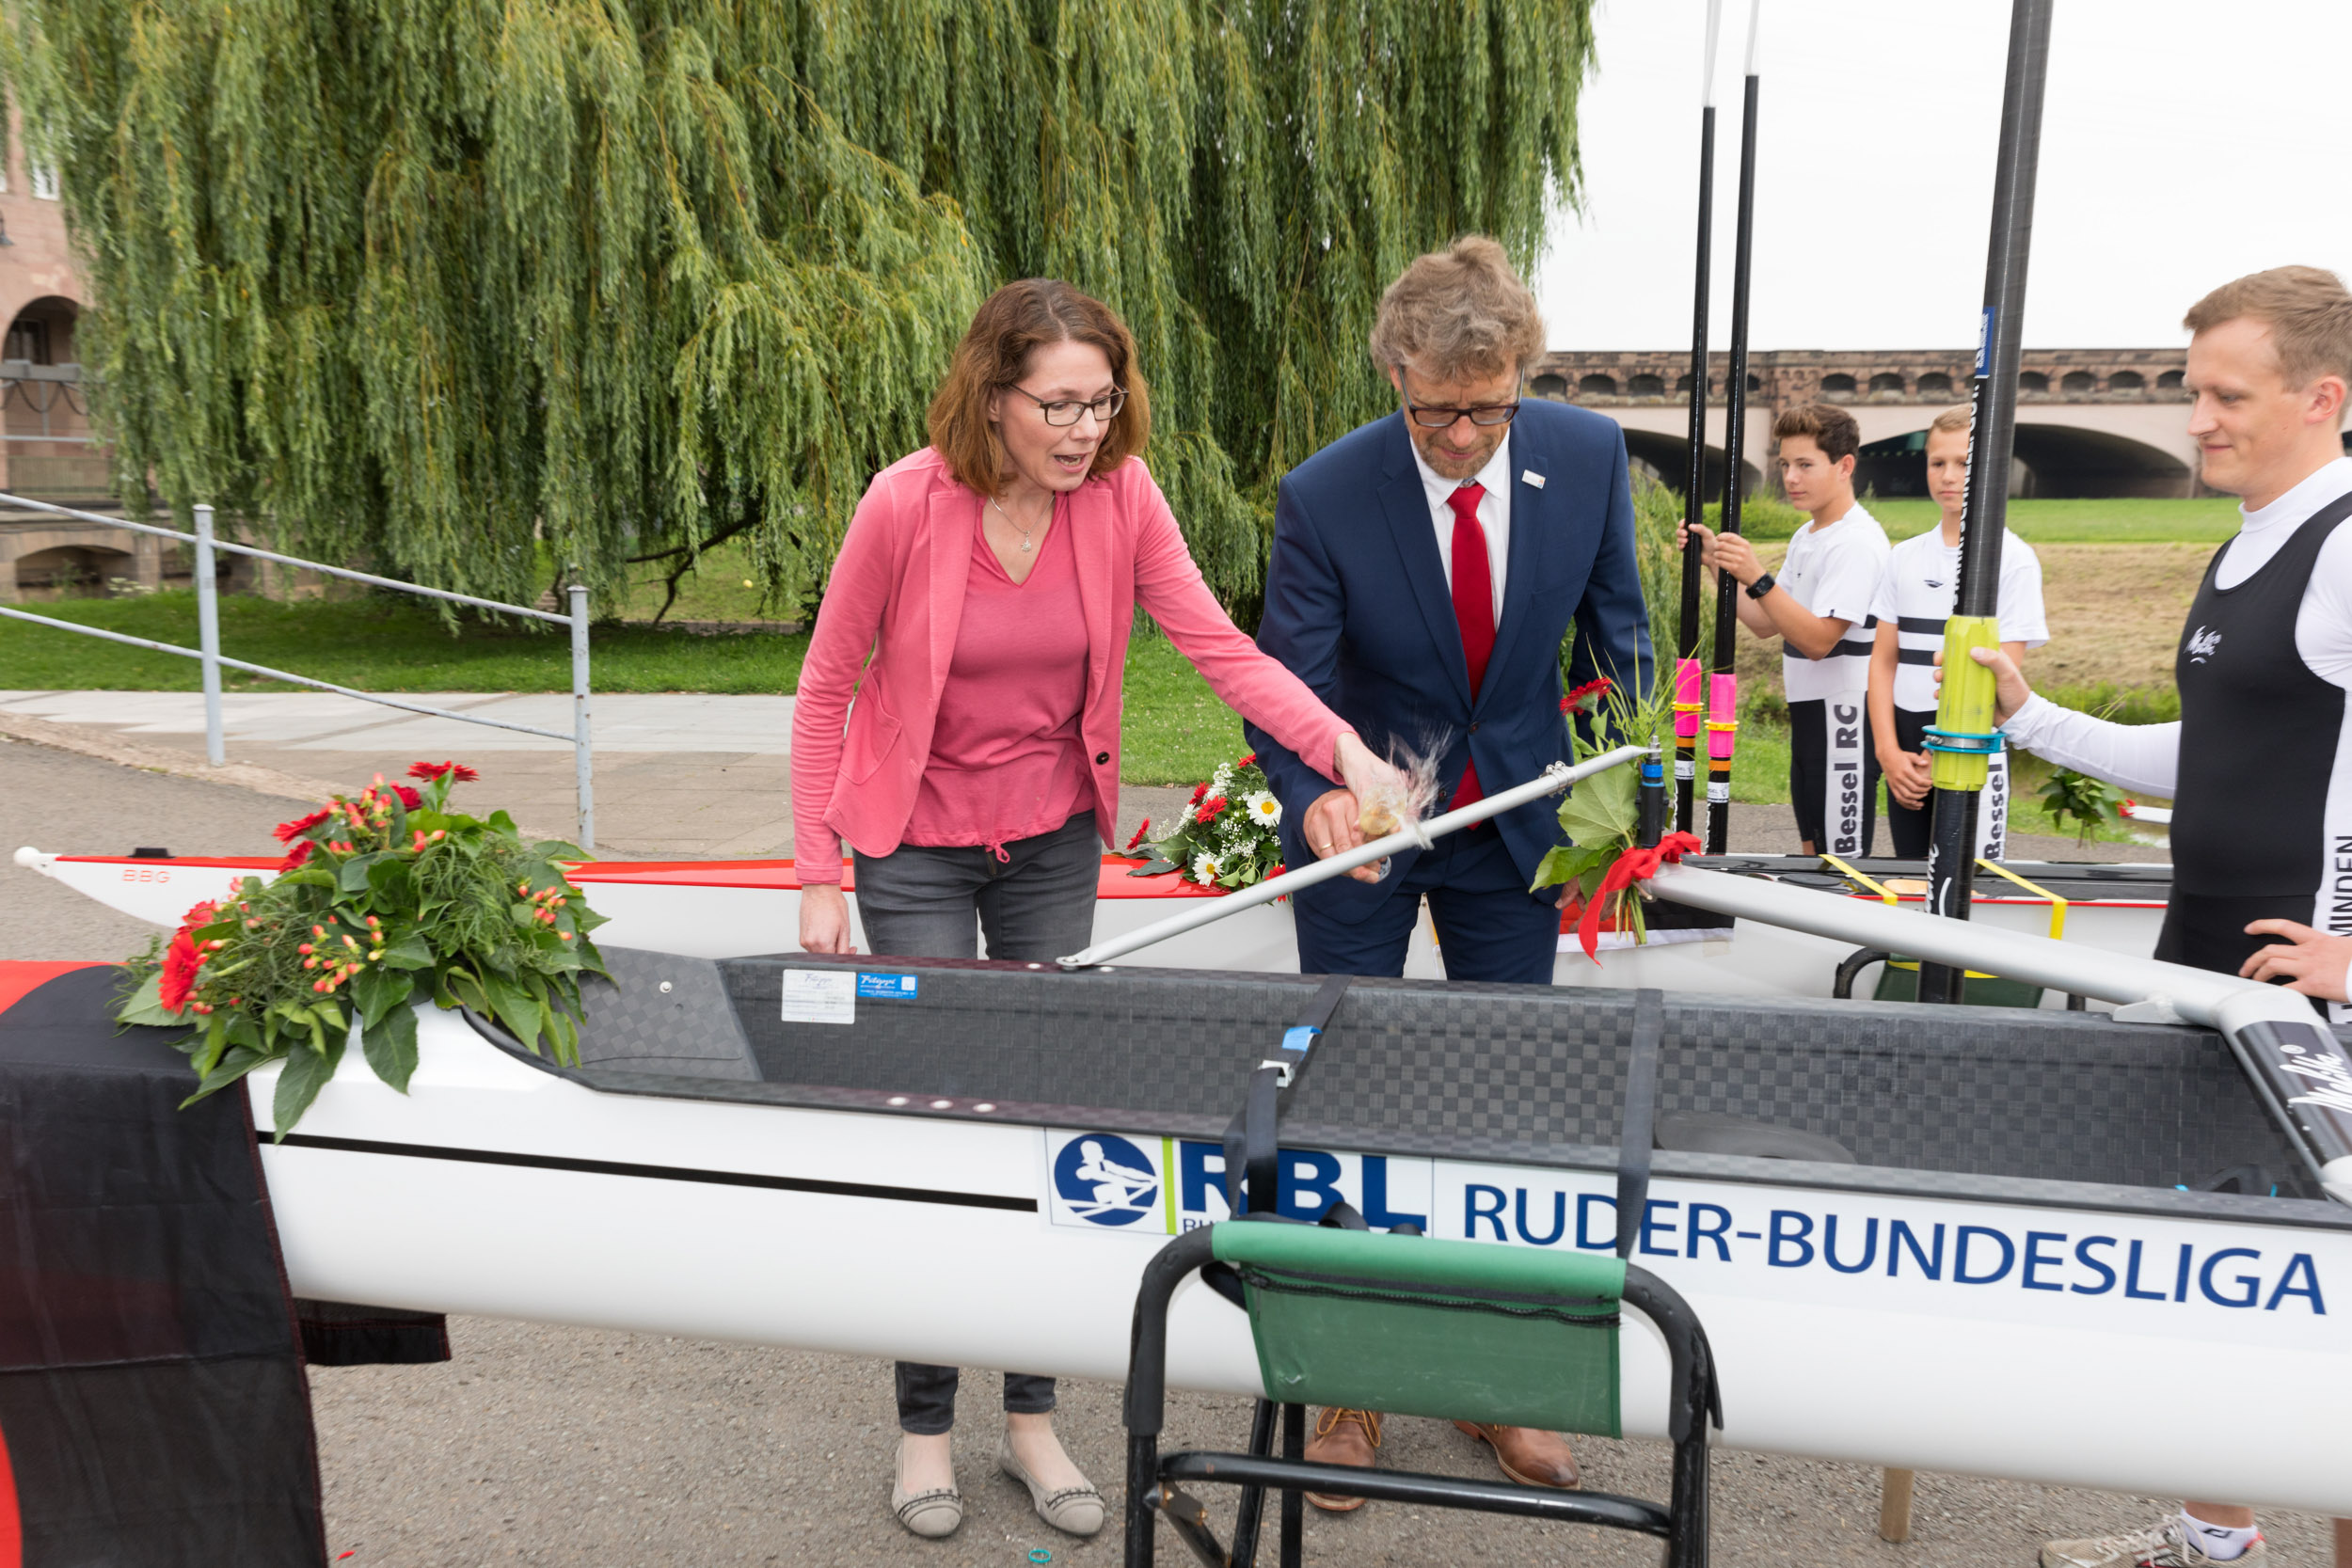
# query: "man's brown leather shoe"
{"type": "Point", "coordinates": [1530, 1457]}
{"type": "Point", "coordinates": [1344, 1437]}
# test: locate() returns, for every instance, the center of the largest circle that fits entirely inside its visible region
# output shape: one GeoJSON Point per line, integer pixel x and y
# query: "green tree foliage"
{"type": "Point", "coordinates": [450, 285]}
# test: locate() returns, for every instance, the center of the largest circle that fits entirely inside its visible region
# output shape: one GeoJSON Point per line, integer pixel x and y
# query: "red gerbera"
{"type": "Point", "coordinates": [408, 796]}
{"type": "Point", "coordinates": [1249, 761]}
{"type": "Point", "coordinates": [301, 852]}
{"type": "Point", "coordinates": [182, 958]}
{"type": "Point", "coordinates": [288, 831]}
{"type": "Point", "coordinates": [1210, 807]}
{"type": "Point", "coordinates": [1198, 791]}
{"type": "Point", "coordinates": [429, 771]}
{"type": "Point", "coordinates": [1585, 698]}
{"type": "Point", "coordinates": [1139, 832]}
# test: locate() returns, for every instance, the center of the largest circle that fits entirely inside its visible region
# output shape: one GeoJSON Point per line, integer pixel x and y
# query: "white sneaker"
{"type": "Point", "coordinates": [2160, 1546]}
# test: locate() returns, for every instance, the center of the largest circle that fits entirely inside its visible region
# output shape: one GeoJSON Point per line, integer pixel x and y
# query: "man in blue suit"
{"type": "Point", "coordinates": [1425, 569]}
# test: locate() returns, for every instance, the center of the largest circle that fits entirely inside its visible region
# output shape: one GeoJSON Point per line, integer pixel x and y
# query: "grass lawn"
{"type": "Point", "coordinates": [2206, 520]}
{"type": "Point", "coordinates": [375, 645]}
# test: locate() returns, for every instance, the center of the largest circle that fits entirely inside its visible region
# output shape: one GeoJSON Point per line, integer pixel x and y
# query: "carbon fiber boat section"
{"type": "Point", "coordinates": [2044, 1108]}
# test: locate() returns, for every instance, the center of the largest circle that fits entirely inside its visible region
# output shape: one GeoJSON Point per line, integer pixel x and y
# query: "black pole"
{"type": "Point", "coordinates": [1689, 691]}
{"type": "Point", "coordinates": [1984, 514]}
{"type": "Point", "coordinates": [1735, 417]}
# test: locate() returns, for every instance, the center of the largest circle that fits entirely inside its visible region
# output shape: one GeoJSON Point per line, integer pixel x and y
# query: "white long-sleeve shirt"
{"type": "Point", "coordinates": [2145, 758]}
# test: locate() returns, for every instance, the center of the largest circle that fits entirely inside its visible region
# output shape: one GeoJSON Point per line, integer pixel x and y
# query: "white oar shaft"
{"type": "Point", "coordinates": [1204, 911]}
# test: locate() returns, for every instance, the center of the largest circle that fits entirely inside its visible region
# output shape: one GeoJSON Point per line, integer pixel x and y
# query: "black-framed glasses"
{"type": "Point", "coordinates": [1065, 411]}
{"type": "Point", "coordinates": [1488, 414]}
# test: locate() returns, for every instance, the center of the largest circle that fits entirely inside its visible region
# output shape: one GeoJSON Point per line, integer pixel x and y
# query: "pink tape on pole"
{"type": "Point", "coordinates": [1723, 718]}
{"type": "Point", "coordinates": [1687, 705]}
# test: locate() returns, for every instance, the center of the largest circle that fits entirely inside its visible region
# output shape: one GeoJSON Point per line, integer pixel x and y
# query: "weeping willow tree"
{"type": "Point", "coordinates": [468, 286]}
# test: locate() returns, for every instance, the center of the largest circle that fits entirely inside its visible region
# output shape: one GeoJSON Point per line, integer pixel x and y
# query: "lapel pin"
{"type": "Point", "coordinates": [1528, 476]}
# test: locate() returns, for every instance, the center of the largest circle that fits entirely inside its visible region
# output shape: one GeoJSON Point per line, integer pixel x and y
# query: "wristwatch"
{"type": "Point", "coordinates": [1760, 587]}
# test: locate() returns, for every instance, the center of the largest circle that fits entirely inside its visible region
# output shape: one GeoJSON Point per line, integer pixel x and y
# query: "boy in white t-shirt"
{"type": "Point", "coordinates": [1914, 597]}
{"type": "Point", "coordinates": [1818, 606]}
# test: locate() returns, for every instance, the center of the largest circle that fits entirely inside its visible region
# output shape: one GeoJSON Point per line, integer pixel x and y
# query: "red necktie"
{"type": "Point", "coordinates": [1473, 608]}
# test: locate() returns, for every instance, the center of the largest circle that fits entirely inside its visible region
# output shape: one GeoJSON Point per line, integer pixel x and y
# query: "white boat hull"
{"type": "Point", "coordinates": [2042, 1372]}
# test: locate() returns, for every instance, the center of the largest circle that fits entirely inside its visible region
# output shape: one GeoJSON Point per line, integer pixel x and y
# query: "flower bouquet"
{"type": "Point", "coordinates": [382, 899]}
{"type": "Point", "coordinates": [1225, 836]}
{"type": "Point", "coordinates": [1601, 817]}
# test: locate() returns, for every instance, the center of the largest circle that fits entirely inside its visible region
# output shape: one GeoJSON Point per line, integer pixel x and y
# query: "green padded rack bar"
{"type": "Point", "coordinates": [1417, 1326]}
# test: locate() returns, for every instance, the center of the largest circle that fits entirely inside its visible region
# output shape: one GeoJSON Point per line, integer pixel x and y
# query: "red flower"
{"type": "Point", "coordinates": [288, 831]}
{"type": "Point", "coordinates": [301, 852]}
{"type": "Point", "coordinates": [457, 771]}
{"type": "Point", "coordinates": [1139, 832]}
{"type": "Point", "coordinates": [408, 796]}
{"type": "Point", "coordinates": [1209, 808]}
{"type": "Point", "coordinates": [182, 958]}
{"type": "Point", "coordinates": [1249, 761]}
{"type": "Point", "coordinates": [1278, 869]}
{"type": "Point", "coordinates": [1198, 791]}
{"type": "Point", "coordinates": [1586, 698]}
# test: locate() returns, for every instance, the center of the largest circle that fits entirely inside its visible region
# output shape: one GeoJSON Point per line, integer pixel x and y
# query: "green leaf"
{"type": "Point", "coordinates": [144, 1005]}
{"type": "Point", "coordinates": [306, 1072]}
{"type": "Point", "coordinates": [391, 1045]}
{"type": "Point", "coordinates": [310, 876]}
{"type": "Point", "coordinates": [390, 882]}
{"type": "Point", "coordinates": [235, 1065]}
{"type": "Point", "coordinates": [353, 877]}
{"type": "Point", "coordinates": [559, 850]}
{"type": "Point", "coordinates": [1570, 863]}
{"type": "Point", "coordinates": [377, 991]}
{"type": "Point", "coordinates": [1602, 811]}
{"type": "Point", "coordinates": [514, 1008]}
{"type": "Point", "coordinates": [411, 952]}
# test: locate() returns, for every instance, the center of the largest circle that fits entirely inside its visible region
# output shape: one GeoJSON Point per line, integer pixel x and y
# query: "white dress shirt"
{"type": "Point", "coordinates": [1494, 514]}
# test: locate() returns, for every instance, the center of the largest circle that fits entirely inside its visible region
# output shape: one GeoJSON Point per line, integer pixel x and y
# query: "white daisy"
{"type": "Point", "coordinates": [1205, 870]}
{"type": "Point", "coordinates": [1264, 810]}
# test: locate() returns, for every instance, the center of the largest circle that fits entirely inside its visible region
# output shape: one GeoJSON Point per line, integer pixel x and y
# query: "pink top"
{"type": "Point", "coordinates": [1005, 760]}
{"type": "Point", "coordinates": [890, 628]}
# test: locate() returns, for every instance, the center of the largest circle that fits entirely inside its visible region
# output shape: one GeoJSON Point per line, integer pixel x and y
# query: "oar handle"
{"type": "Point", "coordinates": [1414, 835]}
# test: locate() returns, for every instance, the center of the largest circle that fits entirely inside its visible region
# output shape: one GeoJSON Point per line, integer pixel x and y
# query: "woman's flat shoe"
{"type": "Point", "coordinates": [929, 1514]}
{"type": "Point", "coordinates": [1074, 1510]}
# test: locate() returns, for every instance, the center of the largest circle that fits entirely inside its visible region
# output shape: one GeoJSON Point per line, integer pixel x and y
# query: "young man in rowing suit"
{"type": "Point", "coordinates": [2259, 767]}
{"type": "Point", "coordinates": [1426, 570]}
{"type": "Point", "coordinates": [1819, 605]}
{"type": "Point", "coordinates": [1914, 597]}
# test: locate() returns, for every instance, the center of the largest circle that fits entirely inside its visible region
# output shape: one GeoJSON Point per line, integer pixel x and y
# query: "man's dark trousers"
{"type": "Point", "coordinates": [1490, 927]}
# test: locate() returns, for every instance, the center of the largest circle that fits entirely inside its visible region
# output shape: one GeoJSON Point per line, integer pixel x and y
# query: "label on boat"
{"type": "Point", "coordinates": [820, 995]}
{"type": "Point", "coordinates": [887, 988]}
{"type": "Point", "coordinates": [2095, 1271]}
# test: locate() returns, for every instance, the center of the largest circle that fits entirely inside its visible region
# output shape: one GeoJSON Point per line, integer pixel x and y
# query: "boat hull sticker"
{"type": "Point", "coordinates": [820, 996]}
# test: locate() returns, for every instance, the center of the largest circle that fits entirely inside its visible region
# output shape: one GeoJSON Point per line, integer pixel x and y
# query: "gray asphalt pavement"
{"type": "Point", "coordinates": [546, 1445]}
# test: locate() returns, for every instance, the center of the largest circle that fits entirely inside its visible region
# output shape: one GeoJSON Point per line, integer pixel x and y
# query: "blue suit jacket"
{"type": "Point", "coordinates": [1357, 604]}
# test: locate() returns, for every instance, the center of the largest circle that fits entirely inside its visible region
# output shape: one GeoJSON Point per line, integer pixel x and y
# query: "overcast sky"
{"type": "Point", "coordinates": [2184, 142]}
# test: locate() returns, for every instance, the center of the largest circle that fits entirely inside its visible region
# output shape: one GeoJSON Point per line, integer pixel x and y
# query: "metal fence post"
{"type": "Point", "coordinates": [583, 762]}
{"type": "Point", "coordinates": [208, 636]}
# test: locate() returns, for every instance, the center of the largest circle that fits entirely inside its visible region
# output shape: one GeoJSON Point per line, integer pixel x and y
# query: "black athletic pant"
{"type": "Point", "coordinates": [1808, 743]}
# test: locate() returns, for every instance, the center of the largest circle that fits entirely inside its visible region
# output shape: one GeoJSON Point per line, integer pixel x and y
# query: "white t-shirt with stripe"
{"type": "Point", "coordinates": [1916, 594]}
{"type": "Point", "coordinates": [1834, 572]}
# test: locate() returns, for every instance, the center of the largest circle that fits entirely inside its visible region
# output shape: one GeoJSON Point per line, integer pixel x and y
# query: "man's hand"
{"type": "Point", "coordinates": [2009, 691]}
{"type": "Point", "coordinates": [1329, 827]}
{"type": "Point", "coordinates": [1908, 777]}
{"type": "Point", "coordinates": [2314, 965]}
{"type": "Point", "coordinates": [825, 919]}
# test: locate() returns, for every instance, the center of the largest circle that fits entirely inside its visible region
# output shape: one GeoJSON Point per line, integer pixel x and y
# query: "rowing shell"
{"type": "Point", "coordinates": [737, 909]}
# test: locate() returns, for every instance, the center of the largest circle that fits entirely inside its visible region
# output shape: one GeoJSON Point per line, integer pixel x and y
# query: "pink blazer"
{"type": "Point", "coordinates": [897, 592]}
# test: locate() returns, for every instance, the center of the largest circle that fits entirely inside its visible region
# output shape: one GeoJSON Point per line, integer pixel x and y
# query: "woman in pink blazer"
{"type": "Point", "coordinates": [993, 579]}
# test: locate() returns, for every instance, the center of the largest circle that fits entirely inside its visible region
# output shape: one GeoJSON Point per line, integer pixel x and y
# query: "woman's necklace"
{"type": "Point", "coordinates": [1028, 539]}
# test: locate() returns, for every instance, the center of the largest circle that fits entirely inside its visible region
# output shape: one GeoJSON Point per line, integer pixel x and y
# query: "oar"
{"type": "Point", "coordinates": [1723, 693]}
{"type": "Point", "coordinates": [1206, 911]}
{"type": "Point", "coordinates": [1688, 703]}
{"type": "Point", "coordinates": [1962, 738]}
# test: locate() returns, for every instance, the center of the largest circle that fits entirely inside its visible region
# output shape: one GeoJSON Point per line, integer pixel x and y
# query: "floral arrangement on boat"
{"type": "Point", "coordinates": [383, 899]}
{"type": "Point", "coordinates": [1225, 836]}
{"type": "Point", "coordinates": [1600, 819]}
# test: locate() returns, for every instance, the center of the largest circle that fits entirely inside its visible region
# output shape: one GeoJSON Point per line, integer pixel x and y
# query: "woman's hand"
{"type": "Point", "coordinates": [1334, 822]}
{"type": "Point", "coordinates": [825, 919]}
{"type": "Point", "coordinates": [1363, 774]}
{"type": "Point", "coordinates": [2314, 965]}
